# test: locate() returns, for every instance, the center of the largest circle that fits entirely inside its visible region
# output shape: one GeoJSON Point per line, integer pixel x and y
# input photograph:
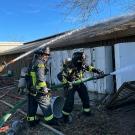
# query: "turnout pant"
{"type": "Point", "coordinates": [69, 102]}
{"type": "Point", "coordinates": [43, 102]}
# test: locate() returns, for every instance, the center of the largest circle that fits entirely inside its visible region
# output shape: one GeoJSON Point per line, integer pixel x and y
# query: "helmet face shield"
{"type": "Point", "coordinates": [44, 54]}
{"type": "Point", "coordinates": [41, 52]}
{"type": "Point", "coordinates": [78, 58]}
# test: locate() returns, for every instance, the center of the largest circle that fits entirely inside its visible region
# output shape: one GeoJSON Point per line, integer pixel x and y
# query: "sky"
{"type": "Point", "coordinates": [28, 20]}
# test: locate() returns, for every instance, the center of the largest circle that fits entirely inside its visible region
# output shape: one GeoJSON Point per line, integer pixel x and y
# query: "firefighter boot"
{"type": "Point", "coordinates": [33, 123]}
{"type": "Point", "coordinates": [67, 119]}
{"type": "Point", "coordinates": [87, 113]}
{"type": "Point", "coordinates": [52, 122]}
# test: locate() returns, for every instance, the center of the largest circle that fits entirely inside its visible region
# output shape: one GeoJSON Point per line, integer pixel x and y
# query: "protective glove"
{"type": "Point", "coordinates": [47, 92]}
{"type": "Point", "coordinates": [100, 74]}
{"type": "Point", "coordinates": [98, 71]}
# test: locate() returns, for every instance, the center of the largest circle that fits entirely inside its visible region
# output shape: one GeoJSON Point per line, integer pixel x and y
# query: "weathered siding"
{"type": "Point", "coordinates": [124, 57]}
{"type": "Point", "coordinates": [100, 57]}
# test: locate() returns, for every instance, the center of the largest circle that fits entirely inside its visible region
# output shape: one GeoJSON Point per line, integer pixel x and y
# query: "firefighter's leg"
{"type": "Point", "coordinates": [45, 105]}
{"type": "Point", "coordinates": [65, 92]}
{"type": "Point", "coordinates": [32, 108]}
{"type": "Point", "coordinates": [68, 106]}
{"type": "Point", "coordinates": [83, 94]}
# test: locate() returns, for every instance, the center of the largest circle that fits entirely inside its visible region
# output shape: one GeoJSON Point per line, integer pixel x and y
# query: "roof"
{"type": "Point", "coordinates": [113, 29]}
{"type": "Point", "coordinates": [10, 43]}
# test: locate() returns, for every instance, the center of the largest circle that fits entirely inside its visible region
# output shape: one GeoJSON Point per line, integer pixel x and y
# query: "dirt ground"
{"type": "Point", "coordinates": [103, 122]}
{"type": "Point", "coordinates": [120, 121]}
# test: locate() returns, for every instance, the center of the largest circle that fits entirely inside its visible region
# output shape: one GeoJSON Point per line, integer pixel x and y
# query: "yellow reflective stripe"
{"type": "Point", "coordinates": [81, 75]}
{"type": "Point", "coordinates": [41, 65]}
{"type": "Point", "coordinates": [41, 85]}
{"type": "Point", "coordinates": [48, 118]}
{"type": "Point", "coordinates": [86, 109]}
{"type": "Point", "coordinates": [31, 118]}
{"type": "Point", "coordinates": [33, 75]}
{"type": "Point", "coordinates": [90, 68]}
{"type": "Point", "coordinates": [64, 80]}
{"type": "Point", "coordinates": [65, 113]}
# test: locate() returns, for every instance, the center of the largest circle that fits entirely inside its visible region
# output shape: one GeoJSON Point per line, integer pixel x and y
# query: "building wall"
{"type": "Point", "coordinates": [4, 46]}
{"type": "Point", "coordinates": [100, 57]}
{"type": "Point", "coordinates": [124, 61]}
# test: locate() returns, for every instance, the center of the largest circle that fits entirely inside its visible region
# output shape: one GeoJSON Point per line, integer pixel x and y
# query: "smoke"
{"type": "Point", "coordinates": [124, 70]}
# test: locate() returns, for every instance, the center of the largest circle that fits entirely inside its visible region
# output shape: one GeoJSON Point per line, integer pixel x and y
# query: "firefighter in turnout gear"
{"type": "Point", "coordinates": [38, 91]}
{"type": "Point", "coordinates": [73, 71]}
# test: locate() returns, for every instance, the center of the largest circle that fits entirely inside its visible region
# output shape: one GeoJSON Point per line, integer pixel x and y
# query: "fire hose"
{"type": "Point", "coordinates": [19, 104]}
{"type": "Point", "coordinates": [4, 118]}
{"type": "Point", "coordinates": [80, 81]}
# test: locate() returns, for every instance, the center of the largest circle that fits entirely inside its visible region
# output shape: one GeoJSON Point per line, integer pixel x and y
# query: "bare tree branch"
{"type": "Point", "coordinates": [85, 8]}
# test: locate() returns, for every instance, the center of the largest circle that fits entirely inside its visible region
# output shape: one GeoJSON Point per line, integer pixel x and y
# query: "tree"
{"type": "Point", "coordinates": [85, 8]}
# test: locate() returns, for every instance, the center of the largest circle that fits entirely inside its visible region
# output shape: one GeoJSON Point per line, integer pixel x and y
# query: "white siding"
{"type": "Point", "coordinates": [100, 57]}
{"type": "Point", "coordinates": [124, 57]}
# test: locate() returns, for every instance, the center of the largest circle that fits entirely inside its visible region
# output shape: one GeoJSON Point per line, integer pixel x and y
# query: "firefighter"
{"type": "Point", "coordinates": [72, 72]}
{"type": "Point", "coordinates": [38, 91]}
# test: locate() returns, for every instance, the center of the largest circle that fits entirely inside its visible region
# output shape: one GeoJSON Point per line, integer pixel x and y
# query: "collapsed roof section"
{"type": "Point", "coordinates": [113, 29]}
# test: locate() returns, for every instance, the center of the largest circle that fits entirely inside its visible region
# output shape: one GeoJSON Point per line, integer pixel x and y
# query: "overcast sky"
{"type": "Point", "coordinates": [27, 20]}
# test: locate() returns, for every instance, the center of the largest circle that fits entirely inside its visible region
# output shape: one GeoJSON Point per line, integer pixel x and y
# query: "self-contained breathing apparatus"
{"type": "Point", "coordinates": [27, 79]}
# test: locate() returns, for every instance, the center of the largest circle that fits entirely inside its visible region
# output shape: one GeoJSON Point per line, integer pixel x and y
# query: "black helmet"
{"type": "Point", "coordinates": [78, 58]}
{"type": "Point", "coordinates": [43, 51]}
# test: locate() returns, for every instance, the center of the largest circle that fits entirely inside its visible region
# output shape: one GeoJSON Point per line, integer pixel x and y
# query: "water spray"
{"type": "Point", "coordinates": [119, 71]}
{"type": "Point", "coordinates": [5, 64]}
{"type": "Point", "coordinates": [124, 69]}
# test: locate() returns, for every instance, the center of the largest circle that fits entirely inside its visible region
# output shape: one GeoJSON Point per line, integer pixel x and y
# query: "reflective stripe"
{"type": "Point", "coordinates": [70, 71]}
{"type": "Point", "coordinates": [33, 94]}
{"type": "Point", "coordinates": [81, 75]}
{"type": "Point", "coordinates": [41, 85]}
{"type": "Point", "coordinates": [90, 68]}
{"type": "Point", "coordinates": [65, 113]}
{"type": "Point", "coordinates": [64, 80]}
{"type": "Point", "coordinates": [32, 118]}
{"type": "Point", "coordinates": [86, 109]}
{"type": "Point", "coordinates": [48, 118]}
{"type": "Point", "coordinates": [33, 76]}
{"type": "Point", "coordinates": [41, 65]}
